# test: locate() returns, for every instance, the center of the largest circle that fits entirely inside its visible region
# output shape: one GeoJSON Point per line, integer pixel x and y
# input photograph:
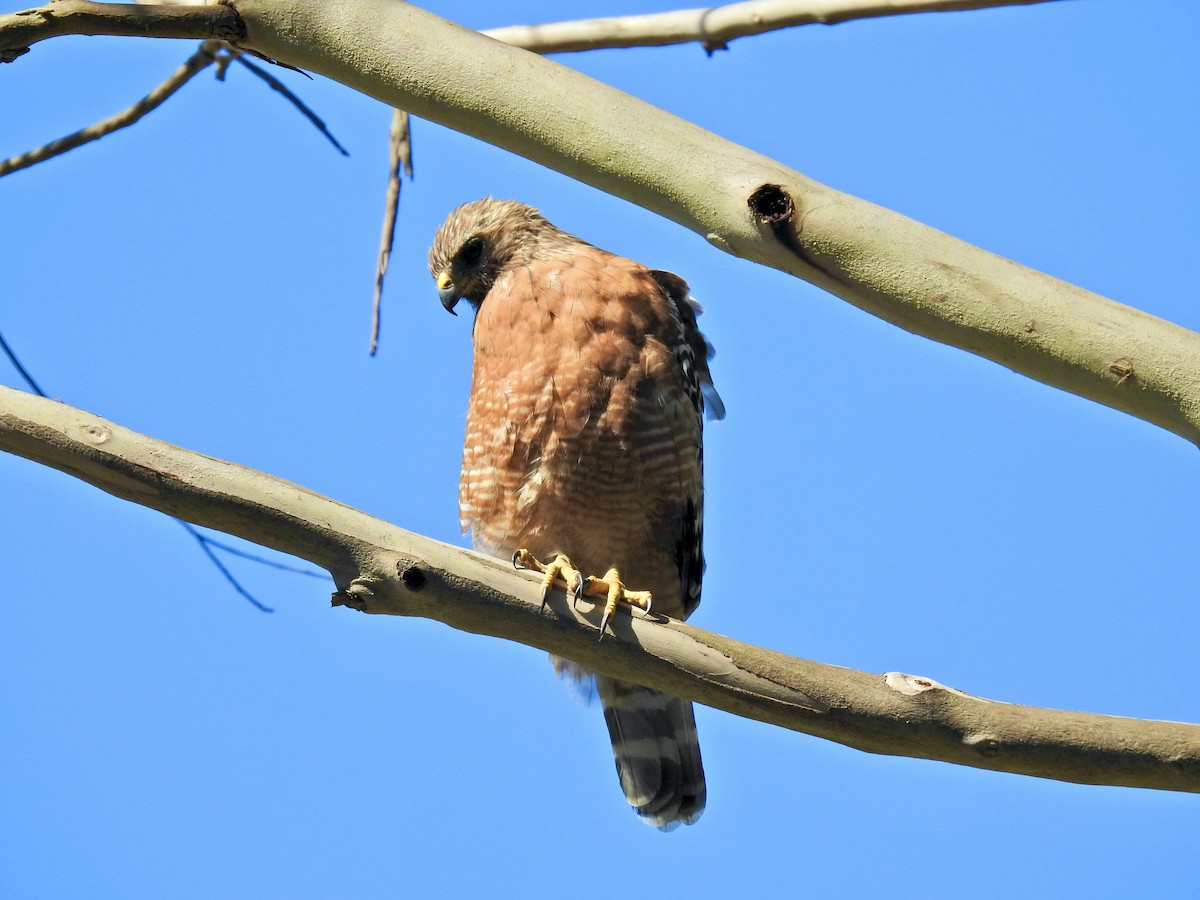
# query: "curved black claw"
{"type": "Point", "coordinates": [603, 626]}
{"type": "Point", "coordinates": [577, 592]}
{"type": "Point", "coordinates": [516, 564]}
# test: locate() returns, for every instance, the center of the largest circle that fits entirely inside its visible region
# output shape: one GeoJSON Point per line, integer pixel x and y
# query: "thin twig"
{"type": "Point", "coordinates": [277, 85]}
{"type": "Point", "coordinates": [21, 370]}
{"type": "Point", "coordinates": [209, 52]}
{"type": "Point", "coordinates": [262, 560]}
{"type": "Point", "coordinates": [204, 546]}
{"type": "Point", "coordinates": [195, 64]}
{"type": "Point", "coordinates": [400, 157]}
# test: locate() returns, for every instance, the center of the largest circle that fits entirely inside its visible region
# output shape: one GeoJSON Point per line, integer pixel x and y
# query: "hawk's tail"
{"type": "Point", "coordinates": [658, 756]}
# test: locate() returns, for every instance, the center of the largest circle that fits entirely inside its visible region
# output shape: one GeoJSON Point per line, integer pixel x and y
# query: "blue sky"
{"type": "Point", "coordinates": [205, 278]}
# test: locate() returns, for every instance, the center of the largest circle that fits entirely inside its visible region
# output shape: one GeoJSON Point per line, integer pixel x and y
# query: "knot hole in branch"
{"type": "Point", "coordinates": [413, 577]}
{"type": "Point", "coordinates": [774, 207]}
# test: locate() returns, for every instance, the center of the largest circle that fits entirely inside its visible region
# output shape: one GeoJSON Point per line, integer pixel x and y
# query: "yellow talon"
{"type": "Point", "coordinates": [610, 587]}
{"type": "Point", "coordinates": [613, 590]}
{"type": "Point", "coordinates": [559, 567]}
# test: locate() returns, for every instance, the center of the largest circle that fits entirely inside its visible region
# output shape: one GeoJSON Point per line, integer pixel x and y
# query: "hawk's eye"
{"type": "Point", "coordinates": [472, 252]}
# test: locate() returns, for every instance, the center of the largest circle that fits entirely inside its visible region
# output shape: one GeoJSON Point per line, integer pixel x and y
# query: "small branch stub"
{"type": "Point", "coordinates": [909, 685]}
{"type": "Point", "coordinates": [912, 685]}
{"type": "Point", "coordinates": [1122, 368]}
{"type": "Point", "coordinates": [349, 599]}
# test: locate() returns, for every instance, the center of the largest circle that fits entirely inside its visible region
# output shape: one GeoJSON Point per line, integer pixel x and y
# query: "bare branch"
{"type": "Point", "coordinates": [399, 158]}
{"type": "Point", "coordinates": [714, 27]}
{"type": "Point", "coordinates": [206, 547]}
{"type": "Point", "coordinates": [746, 204]}
{"type": "Point", "coordinates": [279, 87]}
{"type": "Point", "coordinates": [258, 557]}
{"type": "Point", "coordinates": [209, 52]}
{"type": "Point", "coordinates": [21, 30]}
{"type": "Point", "coordinates": [21, 370]}
{"type": "Point", "coordinates": [379, 568]}
{"type": "Point", "coordinates": [196, 63]}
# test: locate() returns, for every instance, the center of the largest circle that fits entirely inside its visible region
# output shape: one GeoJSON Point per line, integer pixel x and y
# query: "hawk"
{"type": "Point", "coordinates": [583, 448]}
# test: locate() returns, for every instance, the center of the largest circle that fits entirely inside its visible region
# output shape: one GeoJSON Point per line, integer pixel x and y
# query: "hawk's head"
{"type": "Point", "coordinates": [480, 240]}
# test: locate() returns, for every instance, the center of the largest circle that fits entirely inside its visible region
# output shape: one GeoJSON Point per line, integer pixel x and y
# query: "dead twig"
{"type": "Point", "coordinates": [400, 157]}
{"type": "Point", "coordinates": [276, 85]}
{"type": "Point", "coordinates": [195, 64]}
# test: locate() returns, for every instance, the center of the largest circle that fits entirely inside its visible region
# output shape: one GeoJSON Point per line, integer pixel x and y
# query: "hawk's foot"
{"type": "Point", "coordinates": [613, 590]}
{"type": "Point", "coordinates": [558, 568]}
{"type": "Point", "coordinates": [610, 587]}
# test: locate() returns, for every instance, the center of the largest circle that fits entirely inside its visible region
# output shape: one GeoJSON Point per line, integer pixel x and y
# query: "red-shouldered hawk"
{"type": "Point", "coordinates": [584, 439]}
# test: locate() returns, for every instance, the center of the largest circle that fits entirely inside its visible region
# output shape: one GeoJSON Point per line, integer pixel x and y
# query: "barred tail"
{"type": "Point", "coordinates": [657, 754]}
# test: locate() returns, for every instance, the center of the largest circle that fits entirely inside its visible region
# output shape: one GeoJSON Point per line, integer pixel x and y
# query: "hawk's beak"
{"type": "Point", "coordinates": [447, 292]}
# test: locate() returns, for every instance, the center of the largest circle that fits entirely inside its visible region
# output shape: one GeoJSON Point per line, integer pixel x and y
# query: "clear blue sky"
{"type": "Point", "coordinates": [206, 278]}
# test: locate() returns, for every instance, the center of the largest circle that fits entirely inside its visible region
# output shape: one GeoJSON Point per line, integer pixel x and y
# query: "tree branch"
{"type": "Point", "coordinates": [913, 276]}
{"type": "Point", "coordinates": [754, 207]}
{"type": "Point", "coordinates": [21, 30]}
{"type": "Point", "coordinates": [379, 568]}
{"type": "Point", "coordinates": [714, 27]}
